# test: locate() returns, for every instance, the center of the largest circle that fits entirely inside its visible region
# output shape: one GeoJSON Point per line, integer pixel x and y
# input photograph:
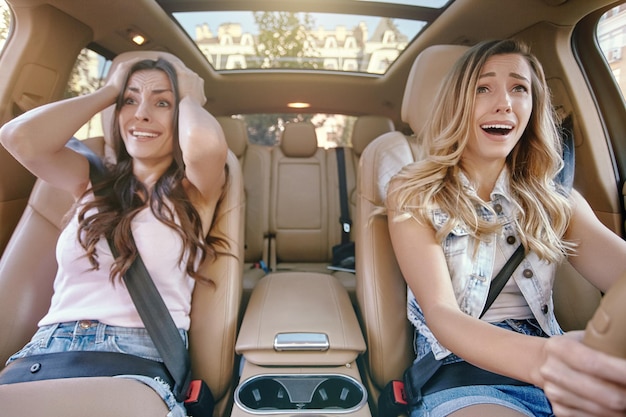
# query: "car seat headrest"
{"type": "Point", "coordinates": [368, 128]}
{"type": "Point", "coordinates": [236, 134]}
{"type": "Point", "coordinates": [427, 73]}
{"type": "Point", "coordinates": [299, 140]}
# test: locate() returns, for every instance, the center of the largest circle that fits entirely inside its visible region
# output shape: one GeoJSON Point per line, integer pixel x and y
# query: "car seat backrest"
{"type": "Point", "coordinates": [255, 161]}
{"type": "Point", "coordinates": [28, 265]}
{"type": "Point", "coordinates": [215, 312]}
{"type": "Point", "coordinates": [236, 135]}
{"type": "Point", "coordinates": [298, 203]}
{"type": "Point", "coordinates": [381, 289]}
{"type": "Point", "coordinates": [365, 130]}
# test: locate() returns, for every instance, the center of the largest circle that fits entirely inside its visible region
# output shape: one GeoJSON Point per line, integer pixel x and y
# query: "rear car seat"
{"type": "Point", "coordinates": [255, 163]}
{"type": "Point", "coordinates": [299, 218]}
{"type": "Point", "coordinates": [365, 130]}
{"type": "Point", "coordinates": [260, 166]}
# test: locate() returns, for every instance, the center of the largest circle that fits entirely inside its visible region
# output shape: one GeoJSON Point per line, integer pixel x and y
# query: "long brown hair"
{"type": "Point", "coordinates": [121, 196]}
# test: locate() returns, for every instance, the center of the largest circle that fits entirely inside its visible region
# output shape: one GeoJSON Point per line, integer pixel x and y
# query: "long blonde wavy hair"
{"type": "Point", "coordinates": [544, 208]}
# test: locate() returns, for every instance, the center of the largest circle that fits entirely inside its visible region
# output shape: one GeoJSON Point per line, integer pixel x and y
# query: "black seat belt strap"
{"type": "Point", "coordinates": [159, 324]}
{"type": "Point", "coordinates": [498, 283]}
{"type": "Point", "coordinates": [344, 218]}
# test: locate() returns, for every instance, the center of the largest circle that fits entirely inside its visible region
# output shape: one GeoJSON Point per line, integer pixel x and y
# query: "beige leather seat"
{"type": "Point", "coordinates": [299, 220]}
{"type": "Point", "coordinates": [255, 163]}
{"type": "Point", "coordinates": [27, 270]}
{"type": "Point", "coordinates": [292, 197]}
{"type": "Point", "coordinates": [381, 289]}
{"type": "Point", "coordinates": [365, 130]}
{"type": "Point", "coordinates": [304, 206]}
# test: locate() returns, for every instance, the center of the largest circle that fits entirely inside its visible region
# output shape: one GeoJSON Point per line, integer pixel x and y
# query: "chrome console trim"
{"type": "Point", "coordinates": [301, 341]}
{"type": "Point", "coordinates": [301, 390]}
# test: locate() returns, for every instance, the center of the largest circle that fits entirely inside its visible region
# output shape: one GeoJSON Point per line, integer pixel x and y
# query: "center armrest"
{"type": "Point", "coordinates": [300, 319]}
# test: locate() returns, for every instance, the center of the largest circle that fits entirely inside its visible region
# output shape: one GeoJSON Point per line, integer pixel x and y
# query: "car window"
{"type": "Point", "coordinates": [611, 34]}
{"type": "Point", "coordinates": [332, 129]}
{"type": "Point", "coordinates": [5, 23]}
{"type": "Point", "coordinates": [86, 77]}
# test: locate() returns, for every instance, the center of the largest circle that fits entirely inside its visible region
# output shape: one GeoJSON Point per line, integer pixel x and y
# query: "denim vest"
{"type": "Point", "coordinates": [471, 265]}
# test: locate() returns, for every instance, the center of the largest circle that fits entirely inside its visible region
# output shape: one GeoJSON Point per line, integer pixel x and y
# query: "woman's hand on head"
{"type": "Point", "coordinates": [190, 84]}
{"type": "Point", "coordinates": [119, 75]}
{"type": "Point", "coordinates": [580, 381]}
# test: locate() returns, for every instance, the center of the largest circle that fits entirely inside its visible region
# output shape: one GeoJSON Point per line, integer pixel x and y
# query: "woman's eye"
{"type": "Point", "coordinates": [482, 89]}
{"type": "Point", "coordinates": [129, 100]}
{"type": "Point", "coordinates": [520, 88]}
{"type": "Point", "coordinates": [163, 103]}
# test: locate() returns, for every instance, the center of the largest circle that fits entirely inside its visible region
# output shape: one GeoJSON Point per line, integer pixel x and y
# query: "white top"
{"type": "Point", "coordinates": [81, 293]}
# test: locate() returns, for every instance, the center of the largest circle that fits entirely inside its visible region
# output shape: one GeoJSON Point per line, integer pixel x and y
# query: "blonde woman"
{"type": "Point", "coordinates": [485, 186]}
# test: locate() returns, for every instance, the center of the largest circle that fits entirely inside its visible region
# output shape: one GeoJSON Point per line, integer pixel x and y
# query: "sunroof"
{"type": "Point", "coordinates": [245, 40]}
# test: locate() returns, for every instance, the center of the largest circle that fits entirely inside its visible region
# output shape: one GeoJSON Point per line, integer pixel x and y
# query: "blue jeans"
{"type": "Point", "coordinates": [89, 335]}
{"type": "Point", "coordinates": [529, 400]}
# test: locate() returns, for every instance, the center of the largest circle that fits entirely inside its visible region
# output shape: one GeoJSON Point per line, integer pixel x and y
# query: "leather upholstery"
{"type": "Point", "coordinates": [381, 289]}
{"type": "Point", "coordinates": [255, 163]}
{"type": "Point", "coordinates": [299, 140]}
{"type": "Point", "coordinates": [305, 303]}
{"type": "Point", "coordinates": [298, 198]}
{"type": "Point", "coordinates": [236, 135]}
{"type": "Point", "coordinates": [366, 129]}
{"type": "Point", "coordinates": [427, 73]}
{"type": "Point", "coordinates": [292, 197]}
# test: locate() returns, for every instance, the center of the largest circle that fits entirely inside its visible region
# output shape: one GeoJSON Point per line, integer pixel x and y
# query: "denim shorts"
{"type": "Point", "coordinates": [528, 399]}
{"type": "Point", "coordinates": [90, 335]}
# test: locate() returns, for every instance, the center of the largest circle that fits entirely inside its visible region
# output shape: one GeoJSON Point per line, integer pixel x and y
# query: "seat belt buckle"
{"type": "Point", "coordinates": [399, 394]}
{"type": "Point", "coordinates": [392, 401]}
{"type": "Point", "coordinates": [199, 402]}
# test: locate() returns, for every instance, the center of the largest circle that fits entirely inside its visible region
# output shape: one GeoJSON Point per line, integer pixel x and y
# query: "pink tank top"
{"type": "Point", "coordinates": [81, 293]}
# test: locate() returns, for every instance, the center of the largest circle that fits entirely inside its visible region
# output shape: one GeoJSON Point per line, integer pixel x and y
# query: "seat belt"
{"type": "Point", "coordinates": [149, 303]}
{"type": "Point", "coordinates": [397, 395]}
{"type": "Point", "coordinates": [344, 218]}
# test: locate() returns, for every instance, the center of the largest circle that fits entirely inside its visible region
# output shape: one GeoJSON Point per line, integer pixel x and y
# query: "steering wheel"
{"type": "Point", "coordinates": [606, 331]}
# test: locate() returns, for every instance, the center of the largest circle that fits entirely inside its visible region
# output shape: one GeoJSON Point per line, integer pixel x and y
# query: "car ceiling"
{"type": "Point", "coordinates": [463, 22]}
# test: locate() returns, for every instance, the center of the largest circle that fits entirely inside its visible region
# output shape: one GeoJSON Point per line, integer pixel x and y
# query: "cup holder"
{"type": "Point", "coordinates": [267, 394]}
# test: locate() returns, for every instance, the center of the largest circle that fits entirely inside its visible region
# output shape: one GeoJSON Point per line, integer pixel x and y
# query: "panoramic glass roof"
{"type": "Point", "coordinates": [246, 40]}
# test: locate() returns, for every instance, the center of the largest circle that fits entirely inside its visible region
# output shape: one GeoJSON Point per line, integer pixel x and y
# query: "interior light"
{"type": "Point", "coordinates": [136, 36]}
{"type": "Point", "coordinates": [298, 105]}
{"type": "Point", "coordinates": [138, 39]}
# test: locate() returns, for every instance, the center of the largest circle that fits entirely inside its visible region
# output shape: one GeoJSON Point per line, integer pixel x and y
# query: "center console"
{"type": "Point", "coordinates": [299, 340]}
